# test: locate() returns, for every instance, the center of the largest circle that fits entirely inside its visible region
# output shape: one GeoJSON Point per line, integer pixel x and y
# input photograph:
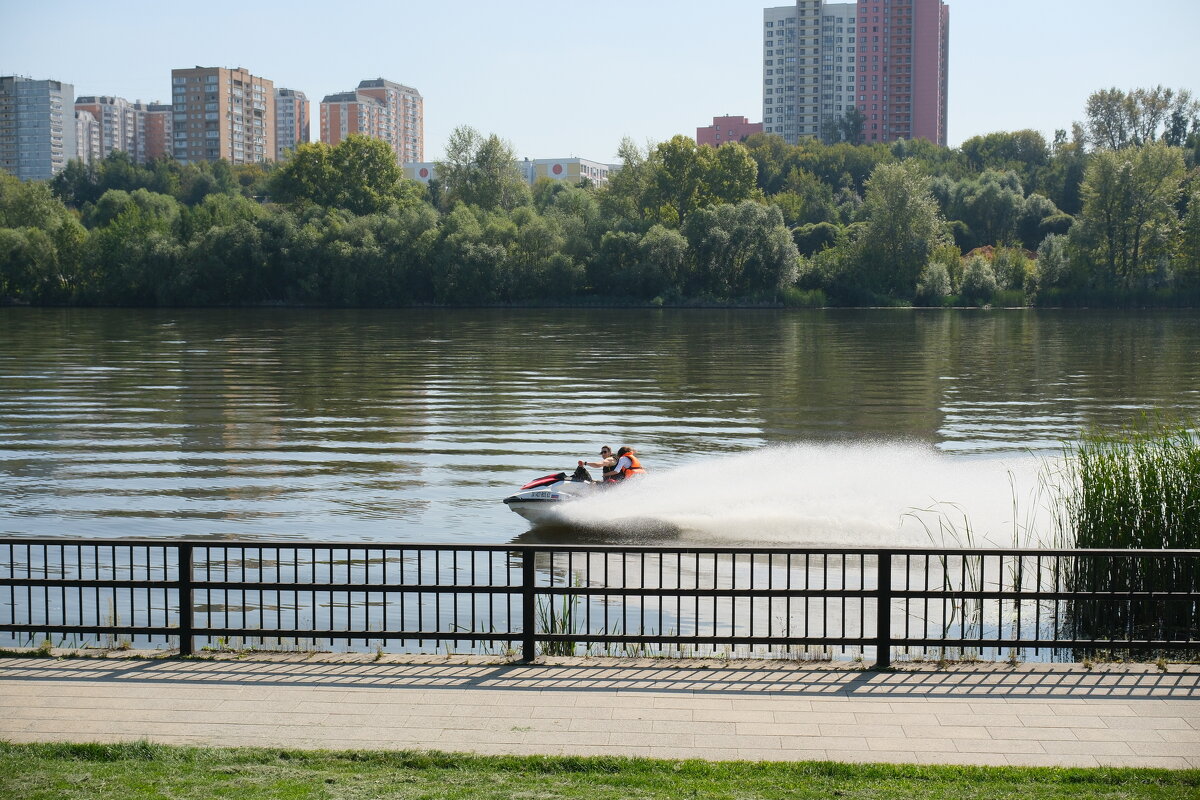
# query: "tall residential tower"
{"type": "Point", "coordinates": [888, 58]}
{"type": "Point", "coordinates": [37, 127]}
{"type": "Point", "coordinates": [380, 109]}
{"type": "Point", "coordinates": [222, 113]}
{"type": "Point", "coordinates": [292, 126]}
{"type": "Point", "coordinates": [903, 69]}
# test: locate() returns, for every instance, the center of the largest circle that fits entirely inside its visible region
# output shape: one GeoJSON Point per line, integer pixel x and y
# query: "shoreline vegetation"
{"type": "Point", "coordinates": [1105, 215]}
{"type": "Point", "coordinates": [142, 769]}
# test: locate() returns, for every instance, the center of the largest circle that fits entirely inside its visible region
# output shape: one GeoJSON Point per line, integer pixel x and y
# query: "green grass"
{"type": "Point", "coordinates": [142, 770]}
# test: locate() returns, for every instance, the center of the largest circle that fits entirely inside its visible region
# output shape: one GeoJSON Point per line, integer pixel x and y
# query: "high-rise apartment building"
{"type": "Point", "coordinates": [143, 130]}
{"type": "Point", "coordinates": [791, 69]}
{"type": "Point", "coordinates": [345, 113]}
{"type": "Point", "coordinates": [406, 111]}
{"type": "Point", "coordinates": [87, 137]}
{"type": "Point", "coordinates": [292, 126]}
{"type": "Point", "coordinates": [157, 125]}
{"type": "Point", "coordinates": [888, 58]}
{"type": "Point", "coordinates": [119, 122]}
{"type": "Point", "coordinates": [903, 75]}
{"type": "Point", "coordinates": [396, 116]}
{"type": "Point", "coordinates": [37, 127]}
{"type": "Point", "coordinates": [222, 113]}
{"type": "Point", "coordinates": [838, 67]}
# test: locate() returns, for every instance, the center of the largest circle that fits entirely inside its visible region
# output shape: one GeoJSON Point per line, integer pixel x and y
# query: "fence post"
{"type": "Point", "coordinates": [186, 604]}
{"type": "Point", "coordinates": [883, 613]}
{"type": "Point", "coordinates": [528, 607]}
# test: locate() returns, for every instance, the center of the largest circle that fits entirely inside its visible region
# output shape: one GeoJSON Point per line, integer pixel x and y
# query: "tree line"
{"type": "Point", "coordinates": [1106, 214]}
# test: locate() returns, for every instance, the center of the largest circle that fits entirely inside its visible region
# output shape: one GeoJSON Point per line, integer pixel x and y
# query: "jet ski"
{"type": "Point", "coordinates": [541, 500]}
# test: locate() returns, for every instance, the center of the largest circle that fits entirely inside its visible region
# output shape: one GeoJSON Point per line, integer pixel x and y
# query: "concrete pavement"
{"type": "Point", "coordinates": [1061, 715]}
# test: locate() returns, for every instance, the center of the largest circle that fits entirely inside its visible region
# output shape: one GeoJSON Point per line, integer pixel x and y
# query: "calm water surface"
{"type": "Point", "coordinates": [412, 425]}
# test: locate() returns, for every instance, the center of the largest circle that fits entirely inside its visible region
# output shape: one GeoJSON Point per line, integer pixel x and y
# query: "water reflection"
{"type": "Point", "coordinates": [411, 425]}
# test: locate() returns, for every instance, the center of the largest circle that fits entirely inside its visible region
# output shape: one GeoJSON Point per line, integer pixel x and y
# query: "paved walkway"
{"type": "Point", "coordinates": [1030, 715]}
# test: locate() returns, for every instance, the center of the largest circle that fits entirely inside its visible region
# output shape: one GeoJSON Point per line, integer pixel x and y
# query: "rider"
{"type": "Point", "coordinates": [627, 464]}
{"type": "Point", "coordinates": [607, 462]}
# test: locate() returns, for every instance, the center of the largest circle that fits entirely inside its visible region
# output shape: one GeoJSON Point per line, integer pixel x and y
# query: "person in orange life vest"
{"type": "Point", "coordinates": [627, 464]}
{"type": "Point", "coordinates": [607, 462]}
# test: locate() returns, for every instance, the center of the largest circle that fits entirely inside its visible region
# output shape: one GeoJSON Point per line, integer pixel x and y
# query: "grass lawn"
{"type": "Point", "coordinates": [143, 770]}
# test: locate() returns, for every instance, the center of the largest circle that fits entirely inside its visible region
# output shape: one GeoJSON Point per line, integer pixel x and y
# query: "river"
{"type": "Point", "coordinates": [798, 427]}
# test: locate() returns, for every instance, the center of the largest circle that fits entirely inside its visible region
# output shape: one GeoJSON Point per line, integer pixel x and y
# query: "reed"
{"type": "Point", "coordinates": [560, 620]}
{"type": "Point", "coordinates": [1138, 489]}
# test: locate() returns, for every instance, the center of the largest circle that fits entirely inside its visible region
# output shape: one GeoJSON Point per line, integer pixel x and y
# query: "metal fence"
{"type": "Point", "coordinates": [875, 604]}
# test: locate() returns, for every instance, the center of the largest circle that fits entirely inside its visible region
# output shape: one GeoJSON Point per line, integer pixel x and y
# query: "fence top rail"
{"type": "Point", "coordinates": [854, 552]}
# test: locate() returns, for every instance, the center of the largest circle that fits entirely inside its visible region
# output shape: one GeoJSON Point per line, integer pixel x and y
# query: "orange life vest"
{"type": "Point", "coordinates": [635, 467]}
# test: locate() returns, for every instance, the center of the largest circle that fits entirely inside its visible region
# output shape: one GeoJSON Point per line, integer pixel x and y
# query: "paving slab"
{"type": "Point", "coordinates": [1053, 715]}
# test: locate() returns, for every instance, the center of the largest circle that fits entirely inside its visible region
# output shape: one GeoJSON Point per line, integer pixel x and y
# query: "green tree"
{"type": "Point", "coordinates": [902, 227]}
{"type": "Point", "coordinates": [1024, 152]}
{"type": "Point", "coordinates": [846, 128]}
{"type": "Point", "coordinates": [114, 202]}
{"type": "Point", "coordinates": [1053, 264]}
{"type": "Point", "coordinates": [771, 153]}
{"type": "Point", "coordinates": [664, 256]}
{"type": "Point", "coordinates": [740, 251]}
{"type": "Point", "coordinates": [49, 275]}
{"type": "Point", "coordinates": [684, 177]}
{"type": "Point", "coordinates": [28, 264]}
{"type": "Point", "coordinates": [481, 171]}
{"type": "Point", "coordinates": [358, 174]}
{"type": "Point", "coordinates": [732, 174]}
{"type": "Point", "coordinates": [677, 182]}
{"type": "Point", "coordinates": [979, 281]}
{"type": "Point", "coordinates": [1187, 256]}
{"type": "Point", "coordinates": [933, 284]}
{"type": "Point", "coordinates": [470, 269]}
{"type": "Point", "coordinates": [621, 199]}
{"type": "Point", "coordinates": [991, 206]}
{"type": "Point", "coordinates": [1118, 119]}
{"type": "Point", "coordinates": [1129, 214]}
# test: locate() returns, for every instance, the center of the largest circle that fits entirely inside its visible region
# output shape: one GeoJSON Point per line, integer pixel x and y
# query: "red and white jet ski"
{"type": "Point", "coordinates": [541, 500]}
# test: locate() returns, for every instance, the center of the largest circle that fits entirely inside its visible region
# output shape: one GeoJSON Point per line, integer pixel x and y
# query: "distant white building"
{"type": "Point", "coordinates": [87, 137]}
{"type": "Point", "coordinates": [571, 170]}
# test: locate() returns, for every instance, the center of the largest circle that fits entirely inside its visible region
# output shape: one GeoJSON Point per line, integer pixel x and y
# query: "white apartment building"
{"type": "Point", "coordinates": [121, 125]}
{"type": "Point", "coordinates": [808, 66]}
{"type": "Point", "coordinates": [37, 127]}
{"type": "Point", "coordinates": [87, 137]}
{"type": "Point", "coordinates": [571, 170]}
{"type": "Point", "coordinates": [838, 47]}
{"type": "Point", "coordinates": [292, 126]}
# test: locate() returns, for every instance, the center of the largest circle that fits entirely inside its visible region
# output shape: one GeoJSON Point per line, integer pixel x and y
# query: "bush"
{"type": "Point", "coordinates": [800, 298]}
{"type": "Point", "coordinates": [811, 239]}
{"type": "Point", "coordinates": [979, 282]}
{"type": "Point", "coordinates": [934, 284]}
{"type": "Point", "coordinates": [1008, 298]}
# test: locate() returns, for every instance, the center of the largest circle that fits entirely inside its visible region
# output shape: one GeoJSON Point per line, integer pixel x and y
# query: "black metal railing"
{"type": "Point", "coordinates": [562, 600]}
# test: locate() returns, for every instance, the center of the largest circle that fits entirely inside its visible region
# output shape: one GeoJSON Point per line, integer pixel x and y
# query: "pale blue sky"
{"type": "Point", "coordinates": [570, 78]}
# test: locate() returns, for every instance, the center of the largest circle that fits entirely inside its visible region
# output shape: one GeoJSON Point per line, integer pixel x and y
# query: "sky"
{"type": "Point", "coordinates": [559, 79]}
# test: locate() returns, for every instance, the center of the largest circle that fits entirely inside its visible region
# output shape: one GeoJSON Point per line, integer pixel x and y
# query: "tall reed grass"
{"type": "Point", "coordinates": [1138, 489]}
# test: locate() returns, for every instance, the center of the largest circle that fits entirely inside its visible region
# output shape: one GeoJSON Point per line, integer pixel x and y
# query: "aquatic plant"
{"type": "Point", "coordinates": [558, 619]}
{"type": "Point", "coordinates": [1138, 489]}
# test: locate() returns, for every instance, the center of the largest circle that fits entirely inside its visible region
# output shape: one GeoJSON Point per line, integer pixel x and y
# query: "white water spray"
{"type": "Point", "coordinates": [882, 494]}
